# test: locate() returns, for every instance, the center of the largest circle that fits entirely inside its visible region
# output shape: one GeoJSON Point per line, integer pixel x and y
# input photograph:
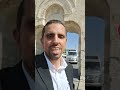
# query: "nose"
{"type": "Point", "coordinates": [56, 39]}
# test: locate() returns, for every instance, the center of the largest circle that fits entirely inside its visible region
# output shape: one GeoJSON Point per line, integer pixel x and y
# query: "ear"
{"type": "Point", "coordinates": [16, 35]}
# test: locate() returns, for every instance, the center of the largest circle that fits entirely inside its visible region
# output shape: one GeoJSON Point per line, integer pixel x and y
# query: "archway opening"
{"type": "Point", "coordinates": [74, 47]}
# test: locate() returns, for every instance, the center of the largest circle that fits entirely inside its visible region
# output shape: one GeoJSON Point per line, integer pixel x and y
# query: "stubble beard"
{"type": "Point", "coordinates": [52, 56]}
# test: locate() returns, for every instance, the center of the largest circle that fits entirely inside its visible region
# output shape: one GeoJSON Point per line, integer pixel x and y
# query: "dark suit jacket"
{"type": "Point", "coordinates": [13, 78]}
{"type": "Point", "coordinates": [43, 78]}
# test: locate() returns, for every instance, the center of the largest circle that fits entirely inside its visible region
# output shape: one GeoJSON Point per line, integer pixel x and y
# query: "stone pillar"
{"type": "Point", "coordinates": [114, 65]}
{"type": "Point", "coordinates": [82, 60]}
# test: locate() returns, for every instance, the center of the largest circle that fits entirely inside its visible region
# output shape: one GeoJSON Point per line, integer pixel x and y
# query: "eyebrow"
{"type": "Point", "coordinates": [51, 33]}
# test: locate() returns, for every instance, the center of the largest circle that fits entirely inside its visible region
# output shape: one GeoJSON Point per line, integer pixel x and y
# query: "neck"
{"type": "Point", "coordinates": [56, 63]}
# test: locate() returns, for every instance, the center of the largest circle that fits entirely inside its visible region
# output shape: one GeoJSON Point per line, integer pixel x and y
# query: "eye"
{"type": "Point", "coordinates": [49, 36]}
{"type": "Point", "coordinates": [61, 36]}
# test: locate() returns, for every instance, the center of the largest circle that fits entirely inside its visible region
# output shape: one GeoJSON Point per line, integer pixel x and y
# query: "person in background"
{"type": "Point", "coordinates": [22, 75]}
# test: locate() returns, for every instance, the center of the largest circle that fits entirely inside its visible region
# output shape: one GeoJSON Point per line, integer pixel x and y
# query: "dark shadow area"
{"type": "Point", "coordinates": [92, 88]}
{"type": "Point", "coordinates": [75, 73]}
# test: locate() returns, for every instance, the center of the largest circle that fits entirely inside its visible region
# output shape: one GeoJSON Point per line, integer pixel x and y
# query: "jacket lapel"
{"type": "Point", "coordinates": [42, 68]}
{"type": "Point", "coordinates": [69, 76]}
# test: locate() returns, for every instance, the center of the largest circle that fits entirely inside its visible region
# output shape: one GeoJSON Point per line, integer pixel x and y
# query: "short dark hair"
{"type": "Point", "coordinates": [20, 14]}
{"type": "Point", "coordinates": [50, 22]}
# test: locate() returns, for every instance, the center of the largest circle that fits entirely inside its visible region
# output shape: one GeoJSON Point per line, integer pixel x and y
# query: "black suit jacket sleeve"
{"type": "Point", "coordinates": [13, 78]}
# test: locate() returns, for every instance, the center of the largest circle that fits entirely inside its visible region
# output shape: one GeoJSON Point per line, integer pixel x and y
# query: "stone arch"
{"type": "Point", "coordinates": [72, 26]}
{"type": "Point", "coordinates": [55, 11]}
{"type": "Point", "coordinates": [46, 4]}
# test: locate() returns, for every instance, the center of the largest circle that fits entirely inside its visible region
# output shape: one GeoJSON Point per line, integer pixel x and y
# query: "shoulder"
{"type": "Point", "coordinates": [69, 64]}
{"type": "Point", "coordinates": [15, 75]}
{"type": "Point", "coordinates": [70, 67]}
{"type": "Point", "coordinates": [40, 61]}
{"type": "Point", "coordinates": [9, 71]}
{"type": "Point", "coordinates": [39, 56]}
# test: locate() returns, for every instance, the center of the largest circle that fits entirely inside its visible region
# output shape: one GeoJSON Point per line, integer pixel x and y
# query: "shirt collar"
{"type": "Point", "coordinates": [52, 67]}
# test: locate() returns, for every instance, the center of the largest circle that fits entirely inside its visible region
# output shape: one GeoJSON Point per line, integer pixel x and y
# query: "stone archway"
{"type": "Point", "coordinates": [55, 11]}
{"type": "Point", "coordinates": [47, 3]}
{"type": "Point", "coordinates": [73, 27]}
{"type": "Point", "coordinates": [42, 8]}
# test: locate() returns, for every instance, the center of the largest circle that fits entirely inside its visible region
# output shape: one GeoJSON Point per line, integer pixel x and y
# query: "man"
{"type": "Point", "coordinates": [52, 71]}
{"type": "Point", "coordinates": [22, 75]}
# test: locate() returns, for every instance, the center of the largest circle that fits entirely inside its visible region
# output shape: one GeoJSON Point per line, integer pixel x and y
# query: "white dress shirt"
{"type": "Point", "coordinates": [29, 79]}
{"type": "Point", "coordinates": [58, 76]}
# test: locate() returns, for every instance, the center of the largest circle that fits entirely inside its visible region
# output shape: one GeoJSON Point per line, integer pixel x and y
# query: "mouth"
{"type": "Point", "coordinates": [55, 50]}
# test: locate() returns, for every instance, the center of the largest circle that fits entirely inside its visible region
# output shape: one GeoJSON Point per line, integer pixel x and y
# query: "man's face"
{"type": "Point", "coordinates": [54, 40]}
{"type": "Point", "coordinates": [26, 41]}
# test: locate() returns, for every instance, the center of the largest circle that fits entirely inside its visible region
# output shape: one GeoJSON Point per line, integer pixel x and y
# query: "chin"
{"type": "Point", "coordinates": [57, 56]}
{"type": "Point", "coordinates": [54, 56]}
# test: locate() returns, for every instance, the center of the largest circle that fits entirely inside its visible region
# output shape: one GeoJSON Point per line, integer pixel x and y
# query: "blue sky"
{"type": "Point", "coordinates": [72, 40]}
